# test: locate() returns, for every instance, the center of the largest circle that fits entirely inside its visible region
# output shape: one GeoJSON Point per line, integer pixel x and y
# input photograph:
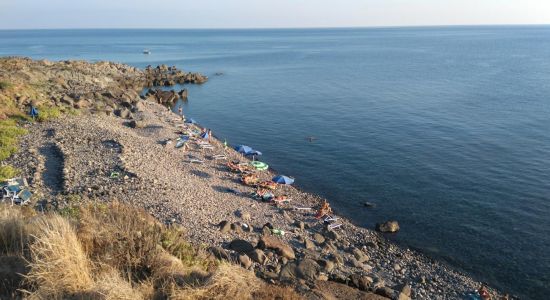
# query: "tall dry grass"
{"type": "Point", "coordinates": [13, 231]}
{"type": "Point", "coordinates": [114, 252]}
{"type": "Point", "coordinates": [58, 266]}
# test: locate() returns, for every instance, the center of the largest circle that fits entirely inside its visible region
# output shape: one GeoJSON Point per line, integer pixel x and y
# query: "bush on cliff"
{"type": "Point", "coordinates": [9, 132]}
{"type": "Point", "coordinates": [4, 85]}
{"type": "Point", "coordinates": [46, 113]}
{"type": "Point", "coordinates": [7, 172]}
{"type": "Point", "coordinates": [113, 252]}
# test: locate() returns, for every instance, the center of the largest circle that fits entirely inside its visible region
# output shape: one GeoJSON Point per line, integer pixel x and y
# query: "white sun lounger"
{"type": "Point", "coordinates": [198, 161]}
{"type": "Point", "coordinates": [334, 226]}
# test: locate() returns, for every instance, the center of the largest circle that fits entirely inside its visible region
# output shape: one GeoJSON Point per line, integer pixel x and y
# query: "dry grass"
{"type": "Point", "coordinates": [227, 282]}
{"type": "Point", "coordinates": [274, 292]}
{"type": "Point", "coordinates": [13, 231]}
{"type": "Point", "coordinates": [113, 287]}
{"type": "Point", "coordinates": [114, 252]}
{"type": "Point", "coordinates": [59, 266]}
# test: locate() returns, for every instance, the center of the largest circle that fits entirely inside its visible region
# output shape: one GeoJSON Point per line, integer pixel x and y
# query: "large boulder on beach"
{"type": "Point", "coordinates": [123, 113]}
{"type": "Point", "coordinates": [271, 242]}
{"type": "Point", "coordinates": [258, 256]}
{"type": "Point", "coordinates": [140, 106]}
{"type": "Point", "coordinates": [306, 269]}
{"type": "Point", "coordinates": [219, 253]}
{"type": "Point", "coordinates": [241, 246]}
{"type": "Point", "coordinates": [361, 282]}
{"type": "Point", "coordinates": [137, 124]}
{"type": "Point", "coordinates": [389, 226]}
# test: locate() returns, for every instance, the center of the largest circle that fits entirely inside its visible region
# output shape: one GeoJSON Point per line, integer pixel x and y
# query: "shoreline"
{"type": "Point", "coordinates": [91, 146]}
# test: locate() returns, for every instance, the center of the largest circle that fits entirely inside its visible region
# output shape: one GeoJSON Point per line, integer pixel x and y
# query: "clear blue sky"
{"type": "Point", "coordinates": [266, 13]}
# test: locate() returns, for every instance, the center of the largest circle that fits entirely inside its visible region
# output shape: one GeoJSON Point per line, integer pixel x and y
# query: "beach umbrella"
{"type": "Point", "coordinates": [205, 135]}
{"type": "Point", "coordinates": [243, 149]}
{"type": "Point", "coordinates": [254, 153]}
{"type": "Point", "coordinates": [191, 121]}
{"type": "Point", "coordinates": [281, 179]}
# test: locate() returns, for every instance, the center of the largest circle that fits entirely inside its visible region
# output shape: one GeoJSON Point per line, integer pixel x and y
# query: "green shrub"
{"type": "Point", "coordinates": [70, 212]}
{"type": "Point", "coordinates": [9, 131]}
{"type": "Point", "coordinates": [46, 113]}
{"type": "Point", "coordinates": [4, 85]}
{"type": "Point", "coordinates": [7, 172]}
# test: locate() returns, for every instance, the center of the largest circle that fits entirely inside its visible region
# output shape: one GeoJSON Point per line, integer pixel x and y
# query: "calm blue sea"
{"type": "Point", "coordinates": [446, 129]}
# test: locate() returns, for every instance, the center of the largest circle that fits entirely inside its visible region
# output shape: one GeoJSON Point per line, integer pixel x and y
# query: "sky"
{"type": "Point", "coordinates": [42, 14]}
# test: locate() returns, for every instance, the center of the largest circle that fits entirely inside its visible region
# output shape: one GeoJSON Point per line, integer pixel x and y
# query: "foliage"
{"type": "Point", "coordinates": [113, 251]}
{"type": "Point", "coordinates": [7, 172]}
{"type": "Point", "coordinates": [9, 131]}
{"type": "Point", "coordinates": [46, 113]}
{"type": "Point", "coordinates": [4, 85]}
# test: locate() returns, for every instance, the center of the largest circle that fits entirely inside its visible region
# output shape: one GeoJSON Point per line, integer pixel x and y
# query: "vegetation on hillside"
{"type": "Point", "coordinates": [113, 252]}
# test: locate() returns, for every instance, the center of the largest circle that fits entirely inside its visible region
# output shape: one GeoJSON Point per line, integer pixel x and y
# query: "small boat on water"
{"type": "Point", "coordinates": [146, 51]}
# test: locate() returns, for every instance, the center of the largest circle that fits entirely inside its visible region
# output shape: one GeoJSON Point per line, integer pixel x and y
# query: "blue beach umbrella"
{"type": "Point", "coordinates": [253, 152]}
{"type": "Point", "coordinates": [281, 179]}
{"type": "Point", "coordinates": [205, 135]}
{"type": "Point", "coordinates": [243, 149]}
{"type": "Point", "coordinates": [191, 121]}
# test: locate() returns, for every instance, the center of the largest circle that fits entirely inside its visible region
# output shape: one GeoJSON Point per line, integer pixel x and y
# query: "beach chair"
{"type": "Point", "coordinates": [330, 219]}
{"type": "Point", "coordinates": [10, 191]}
{"type": "Point", "coordinates": [281, 201]}
{"type": "Point", "coordinates": [334, 226]}
{"type": "Point", "coordinates": [197, 161]}
{"type": "Point", "coordinates": [302, 208]}
{"type": "Point", "coordinates": [219, 157]}
{"type": "Point", "coordinates": [22, 197]}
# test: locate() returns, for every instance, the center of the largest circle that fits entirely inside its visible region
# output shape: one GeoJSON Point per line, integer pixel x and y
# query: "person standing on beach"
{"type": "Point", "coordinates": [180, 112]}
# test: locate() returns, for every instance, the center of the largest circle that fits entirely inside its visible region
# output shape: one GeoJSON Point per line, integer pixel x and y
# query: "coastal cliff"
{"type": "Point", "coordinates": [104, 147]}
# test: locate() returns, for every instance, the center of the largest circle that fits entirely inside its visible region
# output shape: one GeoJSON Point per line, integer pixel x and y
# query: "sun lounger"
{"type": "Point", "coordinates": [281, 201]}
{"type": "Point", "coordinates": [329, 219]}
{"type": "Point", "coordinates": [302, 208]}
{"type": "Point", "coordinates": [23, 197]}
{"type": "Point", "coordinates": [219, 157]}
{"type": "Point", "coordinates": [334, 226]}
{"type": "Point", "coordinates": [198, 161]}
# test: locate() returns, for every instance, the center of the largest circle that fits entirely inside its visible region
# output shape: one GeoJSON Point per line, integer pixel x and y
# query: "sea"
{"type": "Point", "coordinates": [444, 129]}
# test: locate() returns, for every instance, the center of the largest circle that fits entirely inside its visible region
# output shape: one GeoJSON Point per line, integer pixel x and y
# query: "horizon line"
{"type": "Point", "coordinates": [275, 28]}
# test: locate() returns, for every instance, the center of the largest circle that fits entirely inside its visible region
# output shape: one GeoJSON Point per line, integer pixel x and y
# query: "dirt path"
{"type": "Point", "coordinates": [52, 176]}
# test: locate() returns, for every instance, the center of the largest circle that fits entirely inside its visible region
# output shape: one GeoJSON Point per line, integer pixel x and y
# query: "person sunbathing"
{"type": "Point", "coordinates": [268, 185]}
{"type": "Point", "coordinates": [233, 167]}
{"type": "Point", "coordinates": [281, 199]}
{"type": "Point", "coordinates": [264, 194]}
{"type": "Point", "coordinates": [484, 293]}
{"type": "Point", "coordinates": [324, 210]}
{"type": "Point", "coordinates": [249, 179]}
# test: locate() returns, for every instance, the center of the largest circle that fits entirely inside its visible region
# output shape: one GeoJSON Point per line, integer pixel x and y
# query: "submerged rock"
{"type": "Point", "coordinates": [389, 226]}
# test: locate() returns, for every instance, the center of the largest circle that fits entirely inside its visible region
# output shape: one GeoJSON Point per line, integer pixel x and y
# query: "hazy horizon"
{"type": "Point", "coordinates": [268, 14]}
{"type": "Point", "coordinates": [274, 28]}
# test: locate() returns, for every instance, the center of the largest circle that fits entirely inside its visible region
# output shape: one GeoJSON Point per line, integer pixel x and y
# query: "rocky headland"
{"type": "Point", "coordinates": [114, 144]}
